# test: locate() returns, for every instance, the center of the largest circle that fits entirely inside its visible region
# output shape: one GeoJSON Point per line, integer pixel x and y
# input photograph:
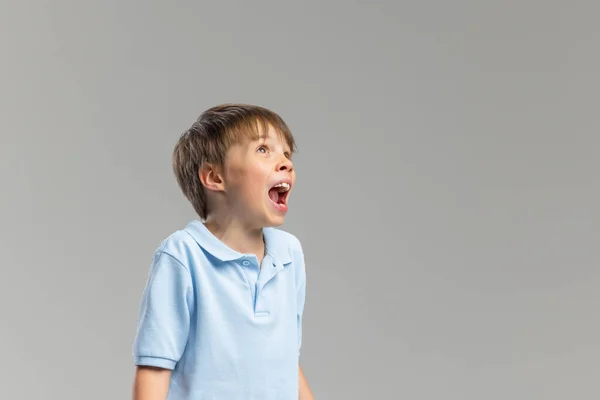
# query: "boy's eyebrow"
{"type": "Point", "coordinates": [262, 138]}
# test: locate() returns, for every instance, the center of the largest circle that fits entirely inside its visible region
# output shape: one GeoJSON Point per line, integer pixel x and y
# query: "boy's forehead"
{"type": "Point", "coordinates": [269, 132]}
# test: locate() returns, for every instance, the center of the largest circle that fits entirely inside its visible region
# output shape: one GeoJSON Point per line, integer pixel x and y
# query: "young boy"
{"type": "Point", "coordinates": [221, 313]}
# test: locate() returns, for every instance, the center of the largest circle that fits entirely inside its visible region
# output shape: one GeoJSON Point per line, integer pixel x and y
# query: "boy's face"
{"type": "Point", "coordinates": [259, 176]}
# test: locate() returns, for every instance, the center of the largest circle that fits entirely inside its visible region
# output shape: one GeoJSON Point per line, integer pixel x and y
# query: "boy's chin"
{"type": "Point", "coordinates": [273, 221]}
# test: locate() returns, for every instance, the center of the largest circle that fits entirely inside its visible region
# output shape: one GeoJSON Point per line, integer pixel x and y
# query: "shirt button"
{"type": "Point", "coordinates": [246, 263]}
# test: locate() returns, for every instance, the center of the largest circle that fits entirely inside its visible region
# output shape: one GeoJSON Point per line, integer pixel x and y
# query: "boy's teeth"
{"type": "Point", "coordinates": [284, 185]}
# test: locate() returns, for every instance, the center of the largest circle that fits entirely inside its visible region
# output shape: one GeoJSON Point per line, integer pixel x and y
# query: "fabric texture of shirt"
{"type": "Point", "coordinates": [227, 329]}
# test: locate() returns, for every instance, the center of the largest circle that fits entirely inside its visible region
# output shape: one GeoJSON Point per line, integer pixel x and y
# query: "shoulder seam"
{"type": "Point", "coordinates": [160, 252]}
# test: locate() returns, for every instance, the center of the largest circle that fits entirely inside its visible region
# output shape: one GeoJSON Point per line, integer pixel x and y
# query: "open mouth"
{"type": "Point", "coordinates": [279, 193]}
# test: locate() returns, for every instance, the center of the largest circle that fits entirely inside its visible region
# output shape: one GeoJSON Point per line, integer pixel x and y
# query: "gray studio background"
{"type": "Point", "coordinates": [447, 195]}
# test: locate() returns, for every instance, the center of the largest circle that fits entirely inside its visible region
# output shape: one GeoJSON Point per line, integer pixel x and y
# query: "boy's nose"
{"type": "Point", "coordinates": [285, 164]}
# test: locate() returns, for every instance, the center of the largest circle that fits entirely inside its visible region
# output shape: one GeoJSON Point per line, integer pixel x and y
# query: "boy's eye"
{"type": "Point", "coordinates": [262, 149]}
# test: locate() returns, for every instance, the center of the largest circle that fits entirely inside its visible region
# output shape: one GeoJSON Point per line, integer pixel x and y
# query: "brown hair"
{"type": "Point", "coordinates": [209, 138]}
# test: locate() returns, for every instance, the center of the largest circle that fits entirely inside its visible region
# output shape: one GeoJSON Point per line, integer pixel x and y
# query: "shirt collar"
{"type": "Point", "coordinates": [275, 244]}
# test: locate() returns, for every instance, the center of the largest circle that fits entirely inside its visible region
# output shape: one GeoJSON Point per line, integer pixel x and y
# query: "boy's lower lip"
{"type": "Point", "coordinates": [279, 207]}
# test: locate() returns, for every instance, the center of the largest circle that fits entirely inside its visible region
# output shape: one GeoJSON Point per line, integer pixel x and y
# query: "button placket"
{"type": "Point", "coordinates": [251, 280]}
{"type": "Point", "coordinates": [261, 310]}
{"type": "Point", "coordinates": [270, 269]}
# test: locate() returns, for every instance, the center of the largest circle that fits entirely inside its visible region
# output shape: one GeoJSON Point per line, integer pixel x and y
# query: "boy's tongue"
{"type": "Point", "coordinates": [274, 195]}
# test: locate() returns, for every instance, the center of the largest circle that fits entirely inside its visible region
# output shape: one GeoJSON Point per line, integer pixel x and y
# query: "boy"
{"type": "Point", "coordinates": [221, 313]}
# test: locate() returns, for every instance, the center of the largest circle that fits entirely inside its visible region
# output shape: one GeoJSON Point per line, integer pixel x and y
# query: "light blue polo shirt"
{"type": "Point", "coordinates": [227, 329]}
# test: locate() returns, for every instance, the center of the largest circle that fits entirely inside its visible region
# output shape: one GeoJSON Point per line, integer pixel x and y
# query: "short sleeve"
{"type": "Point", "coordinates": [300, 294]}
{"type": "Point", "coordinates": [165, 314]}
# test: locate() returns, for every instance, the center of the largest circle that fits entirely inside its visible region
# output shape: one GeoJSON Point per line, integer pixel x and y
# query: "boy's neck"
{"type": "Point", "coordinates": [238, 237]}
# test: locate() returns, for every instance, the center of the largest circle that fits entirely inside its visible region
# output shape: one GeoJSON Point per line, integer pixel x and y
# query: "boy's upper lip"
{"type": "Point", "coordinates": [284, 180]}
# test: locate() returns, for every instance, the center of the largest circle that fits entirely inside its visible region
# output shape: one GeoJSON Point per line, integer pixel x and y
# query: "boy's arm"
{"type": "Point", "coordinates": [151, 383]}
{"type": "Point", "coordinates": [163, 326]}
{"type": "Point", "coordinates": [304, 392]}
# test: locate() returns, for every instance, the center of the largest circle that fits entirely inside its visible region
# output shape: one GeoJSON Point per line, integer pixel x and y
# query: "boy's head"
{"type": "Point", "coordinates": [232, 161]}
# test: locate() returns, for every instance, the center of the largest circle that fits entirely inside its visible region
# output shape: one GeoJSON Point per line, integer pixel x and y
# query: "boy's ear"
{"type": "Point", "coordinates": [211, 177]}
